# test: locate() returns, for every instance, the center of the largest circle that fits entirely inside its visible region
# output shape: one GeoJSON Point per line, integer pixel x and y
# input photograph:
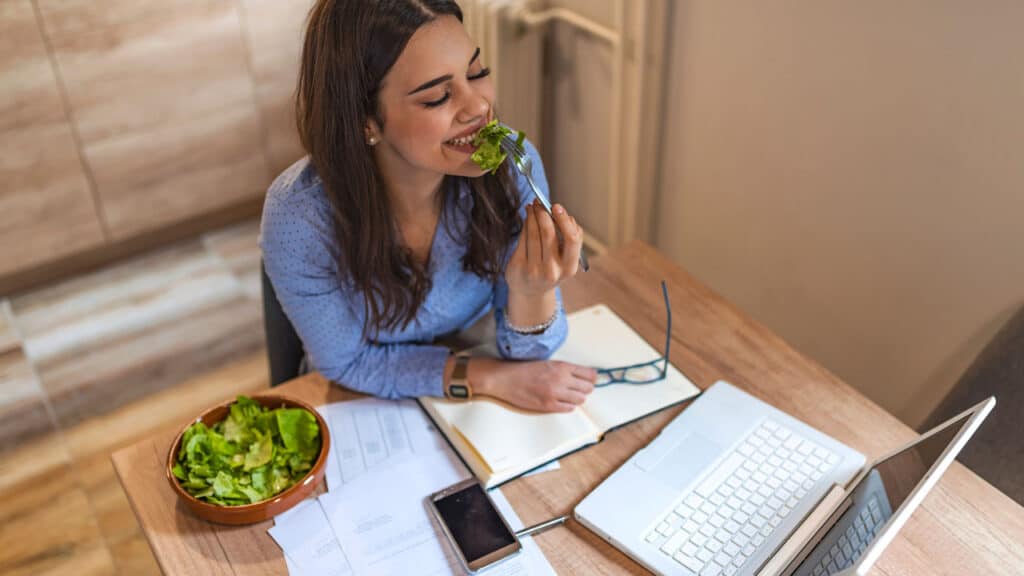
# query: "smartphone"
{"type": "Point", "coordinates": [477, 531]}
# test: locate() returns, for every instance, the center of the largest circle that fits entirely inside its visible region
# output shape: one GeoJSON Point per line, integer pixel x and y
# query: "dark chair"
{"type": "Point", "coordinates": [996, 452]}
{"type": "Point", "coordinates": [284, 349]}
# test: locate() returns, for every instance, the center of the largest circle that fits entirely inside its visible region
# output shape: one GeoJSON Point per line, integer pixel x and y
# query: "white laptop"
{"type": "Point", "coordinates": [735, 486]}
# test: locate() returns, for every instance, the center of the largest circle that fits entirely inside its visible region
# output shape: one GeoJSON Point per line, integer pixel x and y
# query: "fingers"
{"type": "Point", "coordinates": [548, 237]}
{"type": "Point", "coordinates": [582, 386]}
{"type": "Point", "coordinates": [572, 397]}
{"type": "Point", "coordinates": [572, 234]}
{"type": "Point", "coordinates": [534, 252]}
{"type": "Point", "coordinates": [584, 373]}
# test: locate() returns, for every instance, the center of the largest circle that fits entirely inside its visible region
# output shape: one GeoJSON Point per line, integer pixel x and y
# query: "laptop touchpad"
{"type": "Point", "coordinates": [680, 465]}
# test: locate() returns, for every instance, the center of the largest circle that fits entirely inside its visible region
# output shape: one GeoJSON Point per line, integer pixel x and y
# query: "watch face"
{"type": "Point", "coordinates": [458, 391]}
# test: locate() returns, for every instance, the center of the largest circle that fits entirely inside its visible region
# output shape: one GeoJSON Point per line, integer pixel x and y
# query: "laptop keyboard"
{"type": "Point", "coordinates": [852, 543]}
{"type": "Point", "coordinates": [714, 529]}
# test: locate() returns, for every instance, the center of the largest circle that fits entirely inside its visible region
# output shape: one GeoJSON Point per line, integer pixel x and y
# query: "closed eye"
{"type": "Point", "coordinates": [447, 94]}
{"type": "Point", "coordinates": [438, 102]}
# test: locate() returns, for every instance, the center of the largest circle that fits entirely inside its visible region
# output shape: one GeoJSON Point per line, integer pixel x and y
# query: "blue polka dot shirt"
{"type": "Point", "coordinates": [297, 241]}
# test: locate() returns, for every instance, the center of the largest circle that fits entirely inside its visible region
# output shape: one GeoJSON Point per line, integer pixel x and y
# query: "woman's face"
{"type": "Point", "coordinates": [436, 96]}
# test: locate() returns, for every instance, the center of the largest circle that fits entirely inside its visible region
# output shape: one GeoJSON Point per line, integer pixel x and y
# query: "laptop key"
{"type": "Point", "coordinates": [716, 478]}
{"type": "Point", "coordinates": [690, 563]}
{"type": "Point", "coordinates": [672, 544]}
{"type": "Point", "coordinates": [711, 570]}
{"type": "Point", "coordinates": [704, 555]}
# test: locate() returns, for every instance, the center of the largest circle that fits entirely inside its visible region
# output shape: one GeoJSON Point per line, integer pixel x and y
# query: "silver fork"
{"type": "Point", "coordinates": [521, 160]}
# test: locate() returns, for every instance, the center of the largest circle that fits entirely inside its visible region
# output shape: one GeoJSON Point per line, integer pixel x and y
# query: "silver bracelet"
{"type": "Point", "coordinates": [536, 328]}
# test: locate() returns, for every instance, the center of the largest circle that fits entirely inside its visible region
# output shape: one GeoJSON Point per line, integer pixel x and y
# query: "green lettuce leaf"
{"type": "Point", "coordinates": [299, 431]}
{"type": "Point", "coordinates": [260, 452]}
{"type": "Point", "coordinates": [489, 154]}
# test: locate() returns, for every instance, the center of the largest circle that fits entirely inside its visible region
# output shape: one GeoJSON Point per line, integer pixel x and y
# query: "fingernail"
{"type": "Point", "coordinates": [557, 209]}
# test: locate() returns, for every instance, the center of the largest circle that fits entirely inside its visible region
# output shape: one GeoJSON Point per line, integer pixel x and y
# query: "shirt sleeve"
{"type": "Point", "coordinates": [512, 344]}
{"type": "Point", "coordinates": [297, 243]}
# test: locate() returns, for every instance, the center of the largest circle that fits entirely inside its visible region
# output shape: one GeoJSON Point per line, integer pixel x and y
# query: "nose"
{"type": "Point", "coordinates": [474, 106]}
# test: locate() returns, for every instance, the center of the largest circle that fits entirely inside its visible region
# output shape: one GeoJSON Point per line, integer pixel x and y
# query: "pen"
{"type": "Point", "coordinates": [541, 527]}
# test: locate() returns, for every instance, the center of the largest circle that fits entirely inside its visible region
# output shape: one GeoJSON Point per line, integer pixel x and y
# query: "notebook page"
{"type": "Point", "coordinates": [509, 438]}
{"type": "Point", "coordinates": [599, 338]}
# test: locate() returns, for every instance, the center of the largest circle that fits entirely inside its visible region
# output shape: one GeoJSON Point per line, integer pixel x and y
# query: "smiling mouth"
{"type": "Point", "coordinates": [466, 140]}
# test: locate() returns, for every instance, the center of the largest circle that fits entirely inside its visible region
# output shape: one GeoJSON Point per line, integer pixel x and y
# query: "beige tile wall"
{"type": "Point", "coordinates": [274, 30]}
{"type": "Point", "coordinates": [44, 190]}
{"type": "Point", "coordinates": [164, 105]}
{"type": "Point", "coordinates": [121, 117]}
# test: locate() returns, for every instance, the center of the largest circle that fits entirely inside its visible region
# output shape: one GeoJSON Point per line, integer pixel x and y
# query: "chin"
{"type": "Point", "coordinates": [468, 169]}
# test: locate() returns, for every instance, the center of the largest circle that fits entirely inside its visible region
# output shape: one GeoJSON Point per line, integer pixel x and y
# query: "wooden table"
{"type": "Point", "coordinates": [964, 527]}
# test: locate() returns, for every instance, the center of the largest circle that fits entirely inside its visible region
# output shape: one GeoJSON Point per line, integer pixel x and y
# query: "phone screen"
{"type": "Point", "coordinates": [474, 524]}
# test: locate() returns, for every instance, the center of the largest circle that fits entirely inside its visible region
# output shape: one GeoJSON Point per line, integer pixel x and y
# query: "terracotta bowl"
{"type": "Point", "coordinates": [252, 513]}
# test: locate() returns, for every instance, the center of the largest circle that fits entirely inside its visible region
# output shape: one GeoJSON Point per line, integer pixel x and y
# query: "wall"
{"type": "Point", "coordinates": [122, 118]}
{"type": "Point", "coordinates": [585, 115]}
{"type": "Point", "coordinates": [851, 174]}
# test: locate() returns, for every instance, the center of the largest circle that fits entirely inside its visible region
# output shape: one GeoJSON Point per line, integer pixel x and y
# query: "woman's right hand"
{"type": "Point", "coordinates": [538, 385]}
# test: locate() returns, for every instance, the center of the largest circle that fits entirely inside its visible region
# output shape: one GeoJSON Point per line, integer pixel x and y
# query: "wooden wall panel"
{"type": "Point", "coordinates": [46, 208]}
{"type": "Point", "coordinates": [164, 104]}
{"type": "Point", "coordinates": [274, 32]}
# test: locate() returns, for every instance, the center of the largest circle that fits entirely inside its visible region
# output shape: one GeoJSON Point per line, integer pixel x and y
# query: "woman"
{"type": "Point", "coordinates": [388, 236]}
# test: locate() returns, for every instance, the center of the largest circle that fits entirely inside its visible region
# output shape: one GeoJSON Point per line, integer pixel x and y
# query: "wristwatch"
{"type": "Point", "coordinates": [458, 385]}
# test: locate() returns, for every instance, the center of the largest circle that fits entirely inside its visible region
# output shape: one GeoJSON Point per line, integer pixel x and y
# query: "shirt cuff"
{"type": "Point", "coordinates": [425, 370]}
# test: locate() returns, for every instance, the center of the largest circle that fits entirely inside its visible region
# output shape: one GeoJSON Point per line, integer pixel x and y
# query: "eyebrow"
{"type": "Point", "coordinates": [442, 79]}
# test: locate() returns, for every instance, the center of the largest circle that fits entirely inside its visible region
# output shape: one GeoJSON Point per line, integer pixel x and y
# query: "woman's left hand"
{"type": "Point", "coordinates": [541, 262]}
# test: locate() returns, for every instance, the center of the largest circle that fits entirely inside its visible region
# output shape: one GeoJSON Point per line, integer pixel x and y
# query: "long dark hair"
{"type": "Point", "coordinates": [349, 47]}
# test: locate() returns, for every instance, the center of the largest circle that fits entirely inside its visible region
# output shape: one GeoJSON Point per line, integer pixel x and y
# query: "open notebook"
{"type": "Point", "coordinates": [499, 442]}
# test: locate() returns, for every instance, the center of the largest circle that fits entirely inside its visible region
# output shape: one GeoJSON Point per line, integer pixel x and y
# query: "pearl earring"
{"type": "Point", "coordinates": [372, 141]}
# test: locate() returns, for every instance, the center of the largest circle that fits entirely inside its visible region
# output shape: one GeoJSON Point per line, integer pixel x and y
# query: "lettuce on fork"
{"type": "Point", "coordinates": [250, 456]}
{"type": "Point", "coordinates": [489, 154]}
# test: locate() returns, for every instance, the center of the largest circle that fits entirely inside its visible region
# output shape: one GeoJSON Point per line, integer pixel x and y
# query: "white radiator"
{"type": "Point", "coordinates": [515, 55]}
{"type": "Point", "coordinates": [511, 36]}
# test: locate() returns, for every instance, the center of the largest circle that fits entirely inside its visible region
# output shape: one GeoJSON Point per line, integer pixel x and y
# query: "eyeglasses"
{"type": "Point", "coordinates": [646, 372]}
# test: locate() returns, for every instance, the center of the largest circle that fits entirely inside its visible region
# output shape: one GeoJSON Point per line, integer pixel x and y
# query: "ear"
{"type": "Point", "coordinates": [371, 132]}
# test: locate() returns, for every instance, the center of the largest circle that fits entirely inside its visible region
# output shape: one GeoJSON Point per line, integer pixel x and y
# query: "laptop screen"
{"type": "Point", "coordinates": [879, 493]}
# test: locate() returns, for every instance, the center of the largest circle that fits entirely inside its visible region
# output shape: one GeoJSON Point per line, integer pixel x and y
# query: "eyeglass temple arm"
{"type": "Point", "coordinates": [668, 340]}
{"type": "Point", "coordinates": [668, 312]}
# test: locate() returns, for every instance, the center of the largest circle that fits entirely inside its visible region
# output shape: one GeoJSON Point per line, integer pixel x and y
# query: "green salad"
{"type": "Point", "coordinates": [251, 455]}
{"type": "Point", "coordinates": [489, 154]}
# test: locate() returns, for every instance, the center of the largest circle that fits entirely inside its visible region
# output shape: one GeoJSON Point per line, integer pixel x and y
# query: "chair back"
{"type": "Point", "coordinates": [284, 349]}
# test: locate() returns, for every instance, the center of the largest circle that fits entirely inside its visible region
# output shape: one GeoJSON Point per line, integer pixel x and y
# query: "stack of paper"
{"type": "Point", "coordinates": [386, 458]}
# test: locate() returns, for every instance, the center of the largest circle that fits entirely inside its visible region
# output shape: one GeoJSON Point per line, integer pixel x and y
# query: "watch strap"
{"type": "Point", "coordinates": [458, 384]}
